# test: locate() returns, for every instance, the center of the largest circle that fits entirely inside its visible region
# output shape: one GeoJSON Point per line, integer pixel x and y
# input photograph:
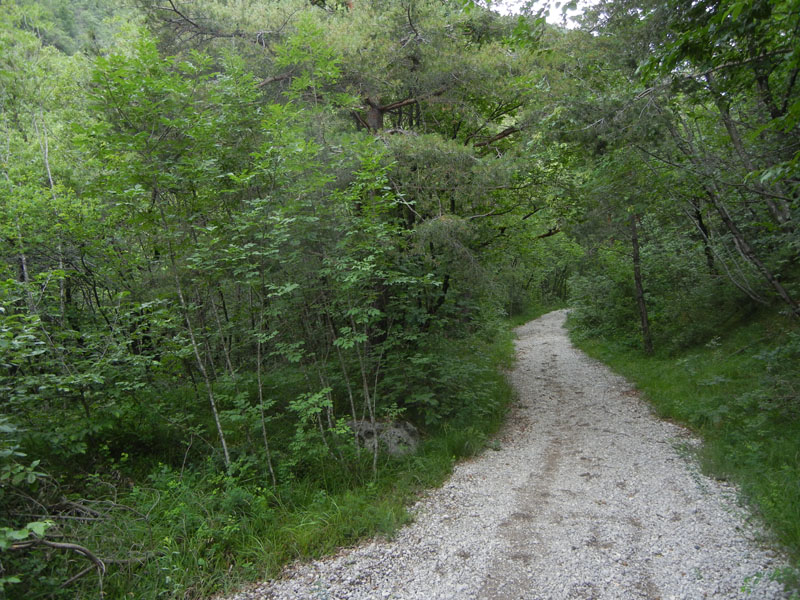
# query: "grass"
{"type": "Point", "coordinates": [740, 394]}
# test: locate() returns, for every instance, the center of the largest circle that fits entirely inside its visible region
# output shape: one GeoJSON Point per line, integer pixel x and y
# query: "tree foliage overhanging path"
{"type": "Point", "coordinates": [231, 232]}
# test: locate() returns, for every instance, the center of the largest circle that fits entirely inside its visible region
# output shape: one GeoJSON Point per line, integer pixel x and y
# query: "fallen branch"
{"type": "Point", "coordinates": [85, 552]}
{"type": "Point", "coordinates": [122, 561]}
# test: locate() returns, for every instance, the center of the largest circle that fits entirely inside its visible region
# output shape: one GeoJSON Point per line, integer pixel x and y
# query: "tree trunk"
{"type": "Point", "coordinates": [45, 147]}
{"type": "Point", "coordinates": [261, 402]}
{"type": "Point", "coordinates": [706, 236]}
{"type": "Point", "coordinates": [195, 347]}
{"type": "Point", "coordinates": [23, 266]}
{"type": "Point", "coordinates": [747, 251]}
{"type": "Point", "coordinates": [710, 187]}
{"type": "Point", "coordinates": [348, 385]}
{"type": "Point", "coordinates": [374, 114]}
{"type": "Point", "coordinates": [637, 278]}
{"type": "Point", "coordinates": [223, 340]}
{"type": "Point", "coordinates": [202, 368]}
{"type": "Point", "coordinates": [778, 209]}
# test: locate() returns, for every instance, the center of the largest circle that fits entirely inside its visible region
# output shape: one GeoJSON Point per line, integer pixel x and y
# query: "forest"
{"type": "Point", "coordinates": [239, 237]}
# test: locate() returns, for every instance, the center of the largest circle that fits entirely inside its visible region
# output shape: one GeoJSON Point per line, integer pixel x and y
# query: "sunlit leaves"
{"type": "Point", "coordinates": [312, 63]}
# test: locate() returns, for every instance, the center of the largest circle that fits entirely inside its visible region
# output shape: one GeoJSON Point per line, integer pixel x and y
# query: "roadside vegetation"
{"type": "Point", "coordinates": [184, 527]}
{"type": "Point", "coordinates": [233, 234]}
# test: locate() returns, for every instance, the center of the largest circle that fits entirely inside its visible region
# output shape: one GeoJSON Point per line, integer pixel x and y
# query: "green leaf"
{"type": "Point", "coordinates": [39, 527]}
{"type": "Point", "coordinates": [17, 534]}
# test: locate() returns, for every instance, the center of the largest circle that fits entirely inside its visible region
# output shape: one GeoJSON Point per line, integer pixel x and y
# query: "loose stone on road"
{"type": "Point", "coordinates": [588, 497]}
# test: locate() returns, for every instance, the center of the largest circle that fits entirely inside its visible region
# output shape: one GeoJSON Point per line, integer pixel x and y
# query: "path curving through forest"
{"type": "Point", "coordinates": [588, 496]}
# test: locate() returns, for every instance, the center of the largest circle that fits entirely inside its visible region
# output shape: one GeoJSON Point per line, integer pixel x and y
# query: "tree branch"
{"type": "Point", "coordinates": [407, 101]}
{"type": "Point", "coordinates": [274, 78]}
{"type": "Point", "coordinates": [710, 71]}
{"type": "Point", "coordinates": [182, 16]}
{"type": "Point", "coordinates": [99, 564]}
{"type": "Point", "coordinates": [496, 138]}
{"type": "Point", "coordinates": [696, 173]}
{"type": "Point", "coordinates": [550, 232]}
{"type": "Point", "coordinates": [184, 24]}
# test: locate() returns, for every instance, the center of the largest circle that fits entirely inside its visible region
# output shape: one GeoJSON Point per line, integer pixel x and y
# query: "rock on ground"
{"type": "Point", "coordinates": [588, 497]}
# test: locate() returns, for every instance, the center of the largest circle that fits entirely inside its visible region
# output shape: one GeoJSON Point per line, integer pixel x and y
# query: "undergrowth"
{"type": "Point", "coordinates": [741, 393]}
{"type": "Point", "coordinates": [193, 529]}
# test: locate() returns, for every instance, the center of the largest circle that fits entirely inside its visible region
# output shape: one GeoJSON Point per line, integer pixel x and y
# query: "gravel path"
{"type": "Point", "coordinates": [588, 497]}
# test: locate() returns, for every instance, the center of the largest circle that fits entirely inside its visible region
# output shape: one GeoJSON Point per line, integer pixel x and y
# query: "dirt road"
{"type": "Point", "coordinates": [587, 496]}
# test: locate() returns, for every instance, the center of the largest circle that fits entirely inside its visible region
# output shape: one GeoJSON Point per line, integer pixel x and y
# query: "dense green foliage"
{"type": "Point", "coordinates": [236, 232]}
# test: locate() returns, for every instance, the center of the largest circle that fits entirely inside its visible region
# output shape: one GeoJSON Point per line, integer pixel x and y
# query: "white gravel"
{"type": "Point", "coordinates": [588, 496]}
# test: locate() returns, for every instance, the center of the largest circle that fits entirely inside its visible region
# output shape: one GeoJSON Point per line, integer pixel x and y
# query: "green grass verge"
{"type": "Point", "coordinates": [740, 394]}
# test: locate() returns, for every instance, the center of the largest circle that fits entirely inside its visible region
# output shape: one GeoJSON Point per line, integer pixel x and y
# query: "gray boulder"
{"type": "Point", "coordinates": [396, 439]}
